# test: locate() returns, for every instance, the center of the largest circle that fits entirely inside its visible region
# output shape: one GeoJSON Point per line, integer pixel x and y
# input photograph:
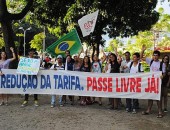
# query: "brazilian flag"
{"type": "Point", "coordinates": [70, 41]}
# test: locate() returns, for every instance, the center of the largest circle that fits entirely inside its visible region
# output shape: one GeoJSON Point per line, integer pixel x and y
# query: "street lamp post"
{"type": "Point", "coordinates": [25, 30]}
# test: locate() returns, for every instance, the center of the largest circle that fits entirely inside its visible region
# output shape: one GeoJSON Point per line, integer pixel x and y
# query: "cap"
{"type": "Point", "coordinates": [75, 55]}
{"type": "Point", "coordinates": [59, 56]}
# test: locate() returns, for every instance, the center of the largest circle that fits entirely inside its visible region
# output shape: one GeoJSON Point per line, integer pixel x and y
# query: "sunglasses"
{"type": "Point", "coordinates": [155, 55]}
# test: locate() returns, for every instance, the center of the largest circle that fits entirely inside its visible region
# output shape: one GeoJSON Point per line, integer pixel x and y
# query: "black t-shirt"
{"type": "Point", "coordinates": [72, 60]}
{"type": "Point", "coordinates": [85, 69]}
{"type": "Point", "coordinates": [166, 77]}
{"type": "Point", "coordinates": [115, 68]}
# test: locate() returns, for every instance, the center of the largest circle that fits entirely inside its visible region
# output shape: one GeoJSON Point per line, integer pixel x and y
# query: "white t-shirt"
{"type": "Point", "coordinates": [155, 66]}
{"type": "Point", "coordinates": [96, 67]}
{"type": "Point", "coordinates": [58, 67]}
{"type": "Point", "coordinates": [108, 65]}
{"type": "Point", "coordinates": [124, 63]}
{"type": "Point", "coordinates": [134, 69]}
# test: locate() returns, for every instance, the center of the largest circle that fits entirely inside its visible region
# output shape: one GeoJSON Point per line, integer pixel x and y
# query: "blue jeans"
{"type": "Point", "coordinates": [53, 99]}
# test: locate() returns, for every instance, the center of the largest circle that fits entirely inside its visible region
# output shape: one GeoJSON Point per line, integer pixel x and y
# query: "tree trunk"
{"type": "Point", "coordinates": [94, 49]}
{"type": "Point", "coordinates": [6, 19]}
{"type": "Point", "coordinates": [8, 36]}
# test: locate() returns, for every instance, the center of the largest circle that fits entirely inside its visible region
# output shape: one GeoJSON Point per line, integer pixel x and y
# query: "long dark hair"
{"type": "Point", "coordinates": [89, 63]}
{"type": "Point", "coordinates": [5, 54]}
{"type": "Point", "coordinates": [115, 60]}
{"type": "Point", "coordinates": [97, 57]}
{"type": "Point", "coordinates": [167, 61]}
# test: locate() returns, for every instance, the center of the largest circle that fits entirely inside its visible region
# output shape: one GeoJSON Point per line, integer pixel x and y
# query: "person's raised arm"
{"type": "Point", "coordinates": [82, 50]}
{"type": "Point", "coordinates": [104, 56]}
{"type": "Point", "coordinates": [142, 52]}
{"type": "Point", "coordinates": [13, 54]}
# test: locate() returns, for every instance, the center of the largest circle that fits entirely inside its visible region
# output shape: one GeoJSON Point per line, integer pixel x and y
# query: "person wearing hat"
{"type": "Point", "coordinates": [57, 66]}
{"type": "Point", "coordinates": [30, 55]}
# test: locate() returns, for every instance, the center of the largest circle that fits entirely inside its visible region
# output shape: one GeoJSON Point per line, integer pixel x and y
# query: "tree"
{"type": "Point", "coordinates": [117, 18]}
{"type": "Point", "coordinates": [6, 19]}
{"type": "Point", "coordinates": [150, 38]}
{"type": "Point", "coordinates": [115, 44]}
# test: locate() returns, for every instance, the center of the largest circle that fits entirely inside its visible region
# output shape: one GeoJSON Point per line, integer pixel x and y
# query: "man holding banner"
{"type": "Point", "coordinates": [57, 66]}
{"type": "Point", "coordinates": [155, 66]}
{"type": "Point", "coordinates": [31, 55]}
{"type": "Point", "coordinates": [4, 64]}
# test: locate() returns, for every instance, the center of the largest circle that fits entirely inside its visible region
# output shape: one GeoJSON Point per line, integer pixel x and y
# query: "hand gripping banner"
{"type": "Point", "coordinates": [113, 85]}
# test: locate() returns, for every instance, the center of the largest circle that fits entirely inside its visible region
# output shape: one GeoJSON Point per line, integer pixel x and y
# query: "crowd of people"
{"type": "Point", "coordinates": [111, 63]}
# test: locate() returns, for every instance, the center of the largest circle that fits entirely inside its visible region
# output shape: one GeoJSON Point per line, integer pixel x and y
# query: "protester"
{"type": "Point", "coordinates": [107, 69]}
{"type": "Point", "coordinates": [77, 63]}
{"type": "Point", "coordinates": [67, 52]}
{"type": "Point", "coordinates": [114, 67]}
{"type": "Point", "coordinates": [123, 68]}
{"type": "Point", "coordinates": [165, 82]}
{"type": "Point", "coordinates": [97, 68]}
{"type": "Point", "coordinates": [57, 66]}
{"type": "Point", "coordinates": [30, 55]}
{"type": "Point", "coordinates": [76, 67]}
{"type": "Point", "coordinates": [45, 65]}
{"type": "Point", "coordinates": [155, 65]}
{"type": "Point", "coordinates": [134, 67]}
{"type": "Point", "coordinates": [4, 64]}
{"type": "Point", "coordinates": [69, 66]}
{"type": "Point", "coordinates": [86, 67]}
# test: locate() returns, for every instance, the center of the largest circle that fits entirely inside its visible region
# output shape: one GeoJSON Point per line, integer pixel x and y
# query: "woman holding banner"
{"type": "Point", "coordinates": [113, 67]}
{"type": "Point", "coordinates": [4, 64]}
{"type": "Point", "coordinates": [97, 68]}
{"type": "Point", "coordinates": [165, 82]}
{"type": "Point", "coordinates": [86, 67]}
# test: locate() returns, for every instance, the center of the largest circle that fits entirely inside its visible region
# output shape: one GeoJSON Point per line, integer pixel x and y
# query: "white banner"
{"type": "Point", "coordinates": [28, 66]}
{"type": "Point", "coordinates": [122, 85]}
{"type": "Point", "coordinates": [87, 23]}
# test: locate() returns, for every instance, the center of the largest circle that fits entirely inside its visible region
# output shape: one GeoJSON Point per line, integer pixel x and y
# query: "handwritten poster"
{"type": "Point", "coordinates": [28, 66]}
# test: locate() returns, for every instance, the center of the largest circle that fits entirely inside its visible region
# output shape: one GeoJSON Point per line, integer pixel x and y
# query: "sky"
{"type": "Point", "coordinates": [165, 5]}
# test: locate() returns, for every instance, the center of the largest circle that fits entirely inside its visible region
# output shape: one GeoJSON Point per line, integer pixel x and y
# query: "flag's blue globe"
{"type": "Point", "coordinates": [63, 46]}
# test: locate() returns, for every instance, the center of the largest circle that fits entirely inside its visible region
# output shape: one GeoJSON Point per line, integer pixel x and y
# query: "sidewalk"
{"type": "Point", "coordinates": [92, 117]}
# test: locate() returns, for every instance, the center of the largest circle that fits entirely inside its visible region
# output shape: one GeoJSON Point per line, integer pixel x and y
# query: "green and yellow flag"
{"type": "Point", "coordinates": [70, 41]}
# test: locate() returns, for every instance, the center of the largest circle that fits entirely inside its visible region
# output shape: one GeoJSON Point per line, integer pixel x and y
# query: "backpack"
{"type": "Point", "coordinates": [99, 65]}
{"type": "Point", "coordinates": [161, 63]}
{"type": "Point", "coordinates": [139, 66]}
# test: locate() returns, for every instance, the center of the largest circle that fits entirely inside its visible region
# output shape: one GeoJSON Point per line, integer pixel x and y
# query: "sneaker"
{"type": "Point", "coordinates": [36, 103]}
{"type": "Point", "coordinates": [2, 103]}
{"type": "Point", "coordinates": [134, 111]}
{"type": "Point", "coordinates": [127, 110]}
{"type": "Point", "coordinates": [165, 110]}
{"type": "Point", "coordinates": [24, 103]}
{"type": "Point", "coordinates": [6, 104]}
{"type": "Point", "coordinates": [61, 105]}
{"type": "Point", "coordinates": [52, 105]}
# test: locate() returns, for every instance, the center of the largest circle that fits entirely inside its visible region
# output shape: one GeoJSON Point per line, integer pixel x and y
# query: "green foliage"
{"type": "Point", "coordinates": [37, 41]}
{"type": "Point", "coordinates": [15, 6]}
{"type": "Point", "coordinates": [164, 43]}
{"type": "Point", "coordinates": [1, 42]}
{"type": "Point", "coordinates": [148, 38]}
{"type": "Point", "coordinates": [115, 43]}
{"type": "Point", "coordinates": [117, 18]}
